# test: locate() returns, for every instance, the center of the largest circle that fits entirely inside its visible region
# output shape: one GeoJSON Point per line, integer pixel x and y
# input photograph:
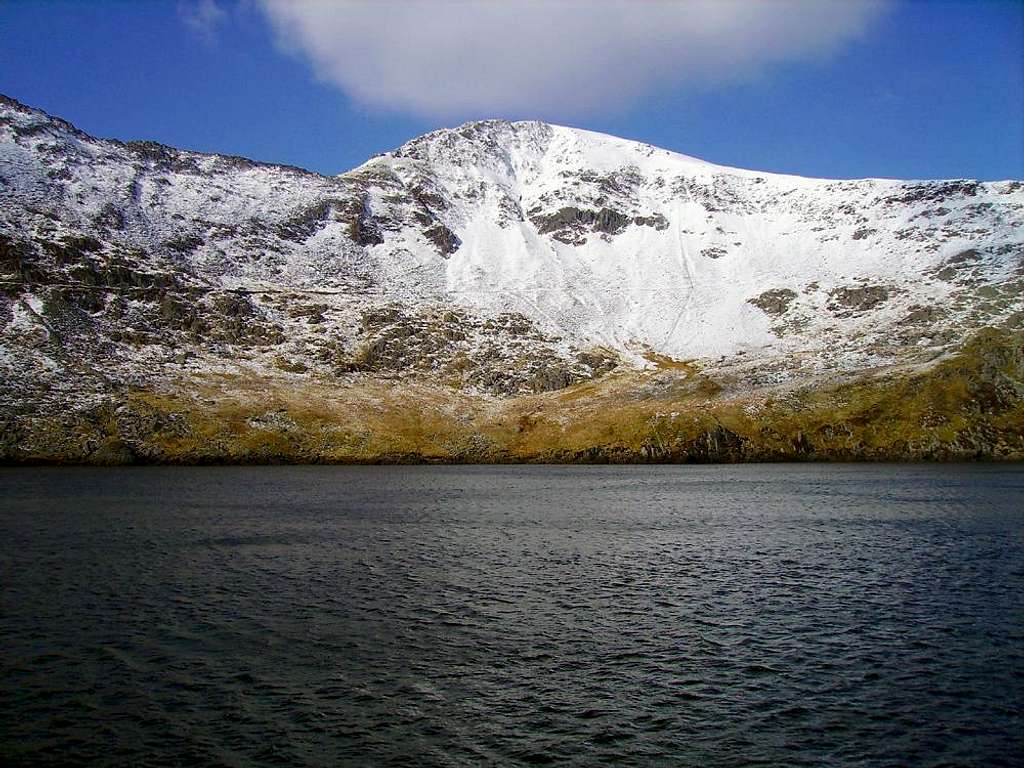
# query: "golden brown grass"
{"type": "Point", "coordinates": [971, 405]}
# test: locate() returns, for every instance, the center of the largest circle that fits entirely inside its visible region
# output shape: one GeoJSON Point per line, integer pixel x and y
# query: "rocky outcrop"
{"type": "Point", "coordinates": [847, 300]}
{"type": "Point", "coordinates": [506, 355]}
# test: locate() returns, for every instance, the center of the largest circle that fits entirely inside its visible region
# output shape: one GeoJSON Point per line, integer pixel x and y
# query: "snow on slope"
{"type": "Point", "coordinates": [720, 237]}
{"type": "Point", "coordinates": [598, 240]}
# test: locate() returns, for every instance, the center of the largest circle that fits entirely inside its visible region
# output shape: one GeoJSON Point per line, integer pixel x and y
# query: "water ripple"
{"type": "Point", "coordinates": [778, 615]}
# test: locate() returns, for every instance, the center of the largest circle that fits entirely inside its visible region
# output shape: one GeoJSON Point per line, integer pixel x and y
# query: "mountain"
{"type": "Point", "coordinates": [499, 291]}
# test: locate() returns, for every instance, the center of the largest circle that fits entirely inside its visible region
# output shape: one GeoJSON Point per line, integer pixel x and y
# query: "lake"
{"type": "Point", "coordinates": [446, 616]}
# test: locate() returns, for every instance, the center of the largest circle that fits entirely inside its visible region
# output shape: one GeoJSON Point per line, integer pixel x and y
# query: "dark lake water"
{"type": "Point", "coordinates": [753, 615]}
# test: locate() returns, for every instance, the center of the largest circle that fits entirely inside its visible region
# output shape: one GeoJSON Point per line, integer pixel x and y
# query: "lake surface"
{"type": "Point", "coordinates": [775, 615]}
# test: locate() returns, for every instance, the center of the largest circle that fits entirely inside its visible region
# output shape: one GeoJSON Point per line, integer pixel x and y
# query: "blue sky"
{"type": "Point", "coordinates": [899, 89]}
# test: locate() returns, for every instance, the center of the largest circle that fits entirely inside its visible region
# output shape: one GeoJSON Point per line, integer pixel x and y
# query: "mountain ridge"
{"type": "Point", "coordinates": [14, 103]}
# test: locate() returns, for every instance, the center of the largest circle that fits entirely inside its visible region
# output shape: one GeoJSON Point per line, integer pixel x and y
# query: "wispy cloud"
{"type": "Point", "coordinates": [551, 58]}
{"type": "Point", "coordinates": [203, 17]}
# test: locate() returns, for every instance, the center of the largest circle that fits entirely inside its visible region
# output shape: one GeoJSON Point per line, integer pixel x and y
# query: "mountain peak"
{"type": "Point", "coordinates": [511, 147]}
{"type": "Point", "coordinates": [476, 141]}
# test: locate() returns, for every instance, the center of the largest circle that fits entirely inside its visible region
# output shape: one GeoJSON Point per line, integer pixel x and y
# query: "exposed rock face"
{"type": "Point", "coordinates": [478, 283]}
{"type": "Point", "coordinates": [775, 301]}
{"type": "Point", "coordinates": [446, 241]}
{"type": "Point", "coordinates": [571, 225]}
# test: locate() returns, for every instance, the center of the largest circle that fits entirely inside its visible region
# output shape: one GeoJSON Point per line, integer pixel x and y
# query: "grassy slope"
{"type": "Point", "coordinates": [967, 406]}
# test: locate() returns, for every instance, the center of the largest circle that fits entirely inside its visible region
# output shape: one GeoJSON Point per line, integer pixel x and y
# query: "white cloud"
{"type": "Point", "coordinates": [551, 58]}
{"type": "Point", "coordinates": [202, 16]}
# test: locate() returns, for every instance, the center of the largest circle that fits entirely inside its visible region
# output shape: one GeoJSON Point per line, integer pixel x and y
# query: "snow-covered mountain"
{"type": "Point", "coordinates": [496, 257]}
{"type": "Point", "coordinates": [622, 244]}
